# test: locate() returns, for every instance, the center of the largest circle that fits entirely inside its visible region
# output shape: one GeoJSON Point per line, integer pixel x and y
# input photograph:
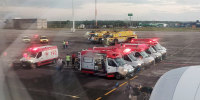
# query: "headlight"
{"type": "Point", "coordinates": [150, 61]}
{"type": "Point", "coordinates": [96, 34]}
{"type": "Point", "coordinates": [157, 56]}
{"type": "Point", "coordinates": [139, 64]}
{"type": "Point", "coordinates": [125, 70]}
{"type": "Point", "coordinates": [131, 70]}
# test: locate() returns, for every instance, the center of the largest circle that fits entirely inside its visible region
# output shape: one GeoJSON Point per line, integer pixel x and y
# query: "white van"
{"type": "Point", "coordinates": [38, 56]}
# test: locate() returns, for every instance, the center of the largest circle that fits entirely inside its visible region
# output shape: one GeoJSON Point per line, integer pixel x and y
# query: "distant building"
{"type": "Point", "coordinates": [81, 26]}
{"type": "Point", "coordinates": [26, 23]}
{"type": "Point", "coordinates": [197, 23]}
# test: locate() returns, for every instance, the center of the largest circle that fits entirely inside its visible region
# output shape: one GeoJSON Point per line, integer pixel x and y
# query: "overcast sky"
{"type": "Point", "coordinates": [156, 10]}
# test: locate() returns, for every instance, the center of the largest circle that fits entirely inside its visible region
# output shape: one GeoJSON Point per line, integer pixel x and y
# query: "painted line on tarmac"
{"type": "Point", "coordinates": [122, 84]}
{"type": "Point", "coordinates": [99, 98]}
{"type": "Point", "coordinates": [110, 91]}
{"type": "Point", "coordinates": [133, 78]}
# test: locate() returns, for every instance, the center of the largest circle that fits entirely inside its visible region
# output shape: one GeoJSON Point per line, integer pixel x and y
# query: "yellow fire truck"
{"type": "Point", "coordinates": [96, 37]}
{"type": "Point", "coordinates": [118, 37]}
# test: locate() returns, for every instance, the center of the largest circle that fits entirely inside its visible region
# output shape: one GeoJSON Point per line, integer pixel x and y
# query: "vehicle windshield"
{"type": "Point", "coordinates": [108, 36]}
{"type": "Point", "coordinates": [152, 50]}
{"type": "Point", "coordinates": [43, 38]}
{"type": "Point", "coordinates": [144, 54]}
{"type": "Point", "coordinates": [132, 57]}
{"type": "Point", "coordinates": [32, 54]}
{"type": "Point", "coordinates": [119, 61]}
{"type": "Point", "coordinates": [158, 46]}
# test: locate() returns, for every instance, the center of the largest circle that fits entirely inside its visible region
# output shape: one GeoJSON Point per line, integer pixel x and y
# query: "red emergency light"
{"type": "Point", "coordinates": [34, 49]}
{"type": "Point", "coordinates": [127, 50]}
{"type": "Point", "coordinates": [25, 55]}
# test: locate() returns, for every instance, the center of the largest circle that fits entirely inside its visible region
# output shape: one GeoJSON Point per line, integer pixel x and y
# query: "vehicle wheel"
{"type": "Point", "coordinates": [33, 66]}
{"type": "Point", "coordinates": [137, 69]}
{"type": "Point", "coordinates": [16, 66]}
{"type": "Point", "coordinates": [118, 76]}
{"type": "Point", "coordinates": [116, 41]}
{"type": "Point", "coordinates": [129, 39]}
{"type": "Point", "coordinates": [100, 40]}
{"type": "Point", "coordinates": [105, 43]}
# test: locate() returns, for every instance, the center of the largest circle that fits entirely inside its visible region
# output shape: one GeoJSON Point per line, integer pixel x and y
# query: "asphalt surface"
{"type": "Point", "coordinates": [46, 83]}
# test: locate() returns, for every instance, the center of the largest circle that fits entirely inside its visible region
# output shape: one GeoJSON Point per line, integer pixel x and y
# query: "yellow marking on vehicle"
{"type": "Point", "coordinates": [99, 98]}
{"type": "Point", "coordinates": [110, 91]}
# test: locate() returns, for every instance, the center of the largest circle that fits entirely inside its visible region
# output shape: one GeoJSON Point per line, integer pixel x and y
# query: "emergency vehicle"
{"type": "Point", "coordinates": [127, 55]}
{"type": "Point", "coordinates": [118, 37]}
{"type": "Point", "coordinates": [96, 37]}
{"type": "Point", "coordinates": [148, 49]}
{"type": "Point", "coordinates": [37, 56]}
{"type": "Point", "coordinates": [137, 54]}
{"type": "Point", "coordinates": [44, 39]}
{"type": "Point", "coordinates": [26, 39]}
{"type": "Point", "coordinates": [104, 63]}
{"type": "Point", "coordinates": [140, 53]}
{"type": "Point", "coordinates": [153, 43]}
{"type": "Point", "coordinates": [90, 34]}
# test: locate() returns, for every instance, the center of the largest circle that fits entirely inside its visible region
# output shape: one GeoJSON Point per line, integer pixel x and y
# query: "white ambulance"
{"type": "Point", "coordinates": [38, 56]}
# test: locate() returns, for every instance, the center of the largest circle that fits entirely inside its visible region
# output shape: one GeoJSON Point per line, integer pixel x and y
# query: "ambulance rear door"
{"type": "Point", "coordinates": [87, 62]}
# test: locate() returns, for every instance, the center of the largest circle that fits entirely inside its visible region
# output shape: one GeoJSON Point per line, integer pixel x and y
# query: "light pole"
{"type": "Point", "coordinates": [73, 20]}
{"type": "Point", "coordinates": [130, 15]}
{"type": "Point", "coordinates": [96, 13]}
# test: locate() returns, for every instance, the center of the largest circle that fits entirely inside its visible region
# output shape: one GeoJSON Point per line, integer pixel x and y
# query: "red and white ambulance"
{"type": "Point", "coordinates": [38, 56]}
{"type": "Point", "coordinates": [104, 63]}
{"type": "Point", "coordinates": [153, 44]}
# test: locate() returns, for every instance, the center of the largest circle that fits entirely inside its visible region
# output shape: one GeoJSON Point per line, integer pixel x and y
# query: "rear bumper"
{"type": "Point", "coordinates": [44, 41]}
{"type": "Point", "coordinates": [26, 41]}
